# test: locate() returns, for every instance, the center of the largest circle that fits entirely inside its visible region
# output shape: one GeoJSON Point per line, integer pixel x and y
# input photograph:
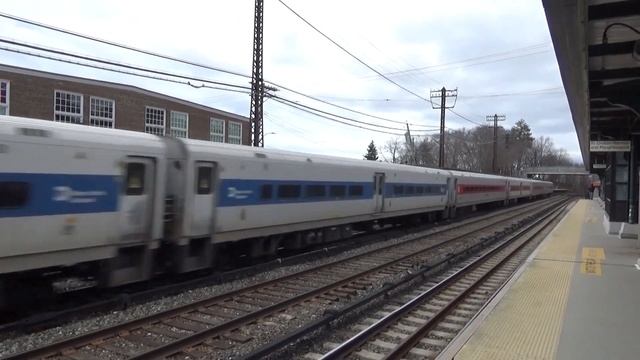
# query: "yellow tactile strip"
{"type": "Point", "coordinates": [526, 324]}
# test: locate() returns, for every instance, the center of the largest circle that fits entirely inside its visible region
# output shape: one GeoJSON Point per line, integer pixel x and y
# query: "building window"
{"type": "Point", "coordinates": [68, 107]}
{"type": "Point", "coordinates": [4, 97]}
{"type": "Point", "coordinates": [179, 124]}
{"type": "Point", "coordinates": [216, 130]}
{"type": "Point", "coordinates": [154, 120]}
{"type": "Point", "coordinates": [235, 133]}
{"type": "Point", "coordinates": [102, 112]}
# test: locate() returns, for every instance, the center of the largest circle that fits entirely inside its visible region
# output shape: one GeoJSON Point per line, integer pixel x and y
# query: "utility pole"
{"type": "Point", "coordinates": [443, 94]}
{"type": "Point", "coordinates": [495, 118]}
{"type": "Point", "coordinates": [409, 140]}
{"type": "Point", "coordinates": [257, 80]}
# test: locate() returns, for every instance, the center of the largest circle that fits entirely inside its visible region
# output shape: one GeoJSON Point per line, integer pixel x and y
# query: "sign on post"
{"type": "Point", "coordinates": [610, 146]}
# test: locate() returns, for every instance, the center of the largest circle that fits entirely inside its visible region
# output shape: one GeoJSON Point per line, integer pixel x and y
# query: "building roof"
{"type": "Point", "coordinates": [107, 84]}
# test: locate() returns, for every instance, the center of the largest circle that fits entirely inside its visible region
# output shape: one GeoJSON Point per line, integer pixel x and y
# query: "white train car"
{"type": "Point", "coordinates": [79, 195]}
{"type": "Point", "coordinates": [277, 198]}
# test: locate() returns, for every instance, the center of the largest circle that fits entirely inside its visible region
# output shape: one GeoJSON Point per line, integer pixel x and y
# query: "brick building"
{"type": "Point", "coordinates": [49, 96]}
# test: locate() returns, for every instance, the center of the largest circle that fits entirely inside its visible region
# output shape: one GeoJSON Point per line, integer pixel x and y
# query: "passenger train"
{"type": "Point", "coordinates": [121, 206]}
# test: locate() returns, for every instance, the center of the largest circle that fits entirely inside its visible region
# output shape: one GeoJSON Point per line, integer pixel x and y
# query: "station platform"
{"type": "Point", "coordinates": [578, 297]}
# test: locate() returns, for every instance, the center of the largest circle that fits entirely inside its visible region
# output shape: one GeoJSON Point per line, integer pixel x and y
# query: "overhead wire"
{"type": "Point", "coordinates": [297, 106]}
{"type": "Point", "coordinates": [23, 52]}
{"type": "Point", "coordinates": [461, 63]}
{"type": "Point", "coordinates": [343, 107]}
{"type": "Point", "coordinates": [114, 63]}
{"type": "Point", "coordinates": [545, 91]}
{"type": "Point", "coordinates": [340, 116]}
{"type": "Point", "coordinates": [369, 66]}
{"type": "Point", "coordinates": [119, 45]}
{"type": "Point", "coordinates": [137, 68]}
{"type": "Point", "coordinates": [187, 62]}
{"type": "Point", "coordinates": [351, 54]}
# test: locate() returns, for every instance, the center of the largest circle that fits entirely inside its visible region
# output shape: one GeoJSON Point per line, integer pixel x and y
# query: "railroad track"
{"type": "Point", "coordinates": [422, 324]}
{"type": "Point", "coordinates": [49, 312]}
{"type": "Point", "coordinates": [227, 324]}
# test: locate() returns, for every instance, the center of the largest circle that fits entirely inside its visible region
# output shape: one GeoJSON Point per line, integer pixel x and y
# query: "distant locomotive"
{"type": "Point", "coordinates": [119, 206]}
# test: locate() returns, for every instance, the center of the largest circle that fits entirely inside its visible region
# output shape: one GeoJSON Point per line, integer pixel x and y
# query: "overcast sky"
{"type": "Point", "coordinates": [498, 54]}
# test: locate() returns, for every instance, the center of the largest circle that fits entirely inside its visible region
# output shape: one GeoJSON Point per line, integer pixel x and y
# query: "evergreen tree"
{"type": "Point", "coordinates": [372, 152]}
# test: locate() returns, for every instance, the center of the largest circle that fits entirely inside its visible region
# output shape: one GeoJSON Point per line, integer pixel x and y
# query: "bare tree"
{"type": "Point", "coordinates": [472, 150]}
{"type": "Point", "coordinates": [393, 147]}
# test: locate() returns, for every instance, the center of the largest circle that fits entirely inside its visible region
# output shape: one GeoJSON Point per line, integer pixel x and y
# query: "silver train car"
{"type": "Point", "coordinates": [118, 207]}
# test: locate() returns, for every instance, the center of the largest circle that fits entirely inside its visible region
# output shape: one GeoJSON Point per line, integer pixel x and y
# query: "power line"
{"type": "Point", "coordinates": [22, 52]}
{"type": "Point", "coordinates": [465, 118]}
{"type": "Point", "coordinates": [548, 91]}
{"type": "Point", "coordinates": [343, 107]}
{"type": "Point", "coordinates": [114, 63]}
{"type": "Point", "coordinates": [137, 68]}
{"type": "Point", "coordinates": [545, 91]}
{"type": "Point", "coordinates": [119, 45]}
{"type": "Point", "coordinates": [167, 57]}
{"type": "Point", "coordinates": [275, 97]}
{"type": "Point", "coordinates": [296, 106]}
{"type": "Point", "coordinates": [183, 61]}
{"type": "Point", "coordinates": [502, 56]}
{"type": "Point", "coordinates": [367, 65]}
{"type": "Point", "coordinates": [352, 55]}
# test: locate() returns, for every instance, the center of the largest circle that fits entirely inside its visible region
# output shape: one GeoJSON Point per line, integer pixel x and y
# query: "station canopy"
{"type": "Point", "coordinates": [597, 44]}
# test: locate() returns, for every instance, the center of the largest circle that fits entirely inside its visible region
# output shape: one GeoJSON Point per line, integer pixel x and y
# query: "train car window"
{"type": "Point", "coordinates": [135, 179]}
{"type": "Point", "coordinates": [398, 189]}
{"type": "Point", "coordinates": [266, 192]}
{"type": "Point", "coordinates": [356, 190]}
{"type": "Point", "coordinates": [410, 190]}
{"type": "Point", "coordinates": [337, 190]}
{"type": "Point", "coordinates": [419, 190]}
{"type": "Point", "coordinates": [288, 191]}
{"type": "Point", "coordinates": [13, 194]}
{"type": "Point", "coordinates": [316, 191]}
{"type": "Point", "coordinates": [203, 186]}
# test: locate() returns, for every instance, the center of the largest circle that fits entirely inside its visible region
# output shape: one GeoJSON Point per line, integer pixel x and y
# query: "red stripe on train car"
{"type": "Point", "coordinates": [476, 188]}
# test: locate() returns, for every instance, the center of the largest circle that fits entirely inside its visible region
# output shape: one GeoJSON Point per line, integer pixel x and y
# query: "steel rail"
{"type": "Point", "coordinates": [179, 344]}
{"type": "Point", "coordinates": [401, 349]}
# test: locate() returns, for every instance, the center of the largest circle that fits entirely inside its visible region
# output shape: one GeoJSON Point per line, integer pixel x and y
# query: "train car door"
{"type": "Point", "coordinates": [204, 199]}
{"type": "Point", "coordinates": [136, 200]}
{"type": "Point", "coordinates": [378, 191]}
{"type": "Point", "coordinates": [452, 193]}
{"type": "Point", "coordinates": [452, 184]}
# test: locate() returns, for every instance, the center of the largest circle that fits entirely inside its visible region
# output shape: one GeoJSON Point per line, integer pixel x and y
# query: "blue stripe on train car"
{"type": "Point", "coordinates": [241, 192]}
{"type": "Point", "coordinates": [55, 194]}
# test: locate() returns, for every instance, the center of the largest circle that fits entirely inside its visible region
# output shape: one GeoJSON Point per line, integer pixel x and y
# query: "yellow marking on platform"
{"type": "Point", "coordinates": [593, 253]}
{"type": "Point", "coordinates": [591, 267]}
{"type": "Point", "coordinates": [592, 261]}
{"type": "Point", "coordinates": [527, 322]}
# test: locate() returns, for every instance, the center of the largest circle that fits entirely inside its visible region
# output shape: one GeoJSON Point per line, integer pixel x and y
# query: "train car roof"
{"type": "Point", "coordinates": [81, 135]}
